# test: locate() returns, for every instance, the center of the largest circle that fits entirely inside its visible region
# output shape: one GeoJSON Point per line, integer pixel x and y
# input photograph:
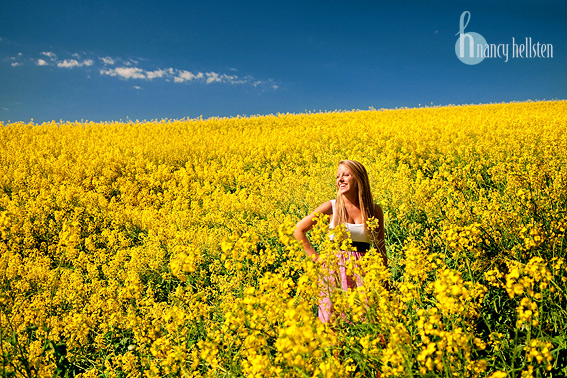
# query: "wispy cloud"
{"type": "Point", "coordinates": [107, 60]}
{"type": "Point", "coordinates": [178, 76]}
{"type": "Point", "coordinates": [125, 72]}
{"type": "Point", "coordinates": [155, 74]}
{"type": "Point", "coordinates": [15, 61]}
{"type": "Point", "coordinates": [71, 63]}
{"type": "Point", "coordinates": [49, 54]}
{"type": "Point", "coordinates": [130, 69]}
{"type": "Point", "coordinates": [184, 75]}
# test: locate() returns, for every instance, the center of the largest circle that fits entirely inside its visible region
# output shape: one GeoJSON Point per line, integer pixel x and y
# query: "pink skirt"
{"type": "Point", "coordinates": [328, 282]}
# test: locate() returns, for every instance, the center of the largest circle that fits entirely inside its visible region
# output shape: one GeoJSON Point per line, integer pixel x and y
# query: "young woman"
{"type": "Point", "coordinates": [353, 207]}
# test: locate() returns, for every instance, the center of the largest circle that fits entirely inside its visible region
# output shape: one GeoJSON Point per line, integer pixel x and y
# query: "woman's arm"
{"type": "Point", "coordinates": [380, 240]}
{"type": "Point", "coordinates": [306, 224]}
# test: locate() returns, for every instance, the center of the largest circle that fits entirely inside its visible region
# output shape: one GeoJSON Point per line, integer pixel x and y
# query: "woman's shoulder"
{"type": "Point", "coordinates": [326, 207]}
{"type": "Point", "coordinates": [329, 203]}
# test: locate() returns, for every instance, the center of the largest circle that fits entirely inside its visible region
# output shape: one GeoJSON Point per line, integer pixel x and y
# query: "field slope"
{"type": "Point", "coordinates": [165, 248]}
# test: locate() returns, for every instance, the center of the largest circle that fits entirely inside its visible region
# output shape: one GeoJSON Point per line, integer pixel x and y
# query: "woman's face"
{"type": "Point", "coordinates": [345, 180]}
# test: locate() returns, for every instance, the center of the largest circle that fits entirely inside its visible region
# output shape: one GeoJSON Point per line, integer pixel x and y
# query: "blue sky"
{"type": "Point", "coordinates": [117, 60]}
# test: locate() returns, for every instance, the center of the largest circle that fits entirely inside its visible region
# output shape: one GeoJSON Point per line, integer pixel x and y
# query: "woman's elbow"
{"type": "Point", "coordinates": [299, 233]}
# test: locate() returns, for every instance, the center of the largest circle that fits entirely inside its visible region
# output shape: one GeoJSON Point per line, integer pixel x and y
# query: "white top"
{"type": "Point", "coordinates": [357, 233]}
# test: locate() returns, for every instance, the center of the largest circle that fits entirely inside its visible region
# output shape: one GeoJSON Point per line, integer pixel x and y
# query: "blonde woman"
{"type": "Point", "coordinates": [353, 207]}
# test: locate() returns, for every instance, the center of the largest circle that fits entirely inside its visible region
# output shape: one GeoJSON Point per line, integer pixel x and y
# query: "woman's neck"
{"type": "Point", "coordinates": [351, 199]}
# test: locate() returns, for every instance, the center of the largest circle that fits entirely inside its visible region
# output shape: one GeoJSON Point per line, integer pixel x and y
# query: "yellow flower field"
{"type": "Point", "coordinates": [165, 248]}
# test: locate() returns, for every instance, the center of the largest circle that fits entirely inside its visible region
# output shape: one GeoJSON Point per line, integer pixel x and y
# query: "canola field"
{"type": "Point", "coordinates": [165, 248]}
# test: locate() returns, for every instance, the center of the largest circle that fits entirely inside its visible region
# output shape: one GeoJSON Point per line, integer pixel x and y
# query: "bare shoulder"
{"type": "Point", "coordinates": [325, 208]}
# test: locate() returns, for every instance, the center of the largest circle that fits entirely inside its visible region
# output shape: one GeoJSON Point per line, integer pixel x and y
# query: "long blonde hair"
{"type": "Point", "coordinates": [365, 200]}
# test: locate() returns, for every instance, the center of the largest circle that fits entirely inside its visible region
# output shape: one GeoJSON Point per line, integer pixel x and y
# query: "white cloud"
{"type": "Point", "coordinates": [49, 54]}
{"type": "Point", "coordinates": [181, 76]}
{"type": "Point", "coordinates": [129, 69]}
{"type": "Point", "coordinates": [125, 72]}
{"type": "Point", "coordinates": [184, 75]}
{"type": "Point", "coordinates": [107, 60]}
{"type": "Point", "coordinates": [135, 73]}
{"type": "Point", "coordinates": [213, 77]}
{"type": "Point", "coordinates": [69, 63]}
{"type": "Point", "coordinates": [233, 79]}
{"type": "Point", "coordinates": [14, 60]}
{"type": "Point", "coordinates": [155, 74]}
{"type": "Point", "coordinates": [130, 72]}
